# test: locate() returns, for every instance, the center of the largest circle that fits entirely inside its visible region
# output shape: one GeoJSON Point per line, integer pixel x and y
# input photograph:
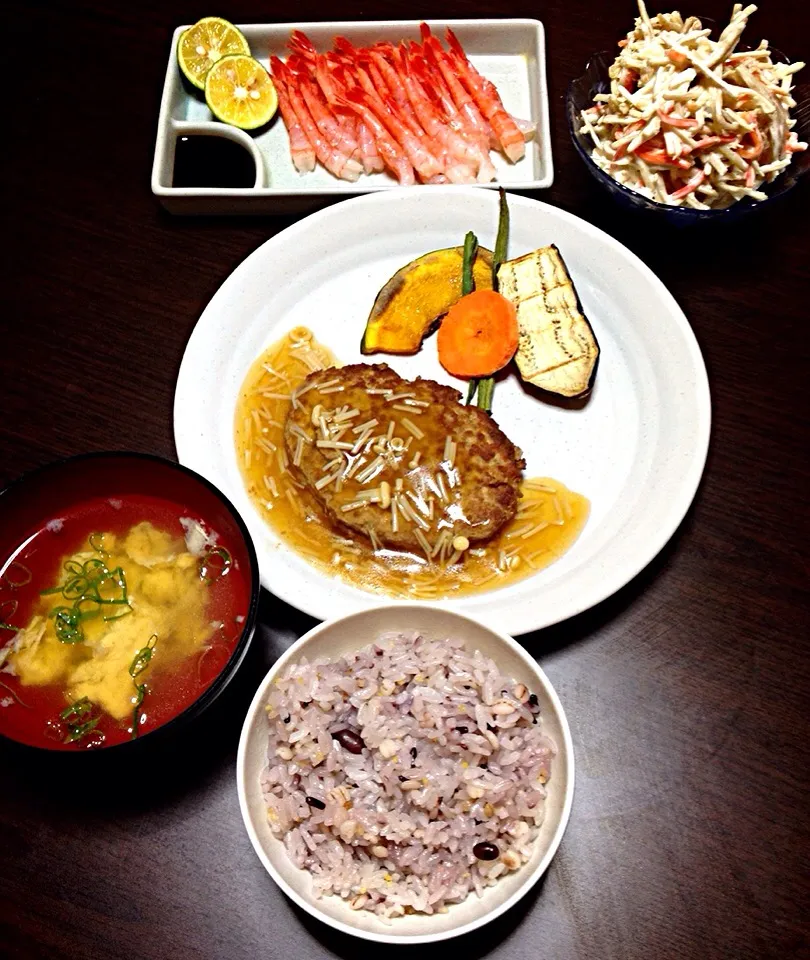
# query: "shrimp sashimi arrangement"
{"type": "Point", "coordinates": [420, 111]}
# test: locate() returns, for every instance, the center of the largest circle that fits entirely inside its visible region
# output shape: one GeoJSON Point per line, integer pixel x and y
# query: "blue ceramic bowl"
{"type": "Point", "coordinates": [596, 80]}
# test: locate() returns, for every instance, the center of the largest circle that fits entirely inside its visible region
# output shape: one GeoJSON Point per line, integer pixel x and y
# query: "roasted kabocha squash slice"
{"type": "Point", "coordinates": [412, 302]}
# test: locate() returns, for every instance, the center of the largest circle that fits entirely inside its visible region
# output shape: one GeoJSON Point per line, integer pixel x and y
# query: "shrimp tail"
{"type": "Point", "coordinates": [300, 44]}
{"type": "Point", "coordinates": [454, 45]}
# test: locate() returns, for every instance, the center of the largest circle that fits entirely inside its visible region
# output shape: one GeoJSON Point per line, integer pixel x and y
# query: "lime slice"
{"type": "Point", "coordinates": [239, 91]}
{"type": "Point", "coordinates": [202, 45]}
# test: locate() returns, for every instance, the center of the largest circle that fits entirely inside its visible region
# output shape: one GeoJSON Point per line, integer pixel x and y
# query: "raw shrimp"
{"type": "Point", "coordinates": [371, 81]}
{"type": "Point", "coordinates": [416, 147]}
{"type": "Point", "coordinates": [375, 85]}
{"type": "Point", "coordinates": [454, 168]}
{"type": "Point", "coordinates": [527, 127]}
{"type": "Point", "coordinates": [414, 110]}
{"type": "Point", "coordinates": [333, 90]}
{"type": "Point", "coordinates": [367, 92]}
{"type": "Point", "coordinates": [326, 81]}
{"type": "Point", "coordinates": [488, 101]}
{"type": "Point", "coordinates": [337, 163]}
{"type": "Point", "coordinates": [369, 155]}
{"type": "Point", "coordinates": [396, 87]}
{"type": "Point", "coordinates": [339, 135]}
{"type": "Point", "coordinates": [439, 94]}
{"type": "Point", "coordinates": [462, 99]}
{"type": "Point", "coordinates": [301, 44]}
{"type": "Point", "coordinates": [467, 152]}
{"type": "Point", "coordinates": [389, 150]}
{"type": "Point", "coordinates": [301, 150]}
{"type": "Point", "coordinates": [419, 150]}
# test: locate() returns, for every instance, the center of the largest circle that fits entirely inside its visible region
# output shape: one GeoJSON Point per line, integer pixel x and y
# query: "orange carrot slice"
{"type": "Point", "coordinates": [479, 335]}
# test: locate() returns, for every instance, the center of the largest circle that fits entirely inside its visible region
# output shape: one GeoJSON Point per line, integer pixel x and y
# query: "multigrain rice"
{"type": "Point", "coordinates": [452, 755]}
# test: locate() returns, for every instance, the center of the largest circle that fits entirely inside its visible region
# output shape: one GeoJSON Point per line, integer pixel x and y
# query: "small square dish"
{"type": "Point", "coordinates": [510, 53]}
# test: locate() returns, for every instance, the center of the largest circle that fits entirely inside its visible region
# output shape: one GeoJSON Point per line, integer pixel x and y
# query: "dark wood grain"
{"type": "Point", "coordinates": [687, 691]}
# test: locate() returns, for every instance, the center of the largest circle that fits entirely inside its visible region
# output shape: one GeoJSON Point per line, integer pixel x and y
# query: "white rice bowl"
{"type": "Point", "coordinates": [367, 856]}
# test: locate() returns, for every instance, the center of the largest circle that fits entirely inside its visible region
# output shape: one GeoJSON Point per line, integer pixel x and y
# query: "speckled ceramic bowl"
{"type": "Point", "coordinates": [635, 448]}
{"type": "Point", "coordinates": [333, 640]}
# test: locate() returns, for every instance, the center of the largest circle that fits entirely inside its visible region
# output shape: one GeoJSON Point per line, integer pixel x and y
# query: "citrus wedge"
{"type": "Point", "coordinates": [239, 91]}
{"type": "Point", "coordinates": [202, 45]}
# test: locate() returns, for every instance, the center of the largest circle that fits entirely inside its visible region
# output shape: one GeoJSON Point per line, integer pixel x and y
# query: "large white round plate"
{"type": "Point", "coordinates": [636, 449]}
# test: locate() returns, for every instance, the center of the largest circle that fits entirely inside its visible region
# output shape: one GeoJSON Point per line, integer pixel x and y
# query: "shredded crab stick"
{"type": "Point", "coordinates": [418, 110]}
{"type": "Point", "coordinates": [691, 121]}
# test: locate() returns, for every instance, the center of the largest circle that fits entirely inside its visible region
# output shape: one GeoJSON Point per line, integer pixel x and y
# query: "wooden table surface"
{"type": "Point", "coordinates": [687, 692]}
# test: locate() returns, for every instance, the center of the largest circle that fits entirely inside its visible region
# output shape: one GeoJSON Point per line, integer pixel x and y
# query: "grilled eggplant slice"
{"type": "Point", "coordinates": [557, 350]}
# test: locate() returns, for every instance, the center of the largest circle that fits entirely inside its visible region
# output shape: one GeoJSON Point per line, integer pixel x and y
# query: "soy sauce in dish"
{"type": "Point", "coordinates": [207, 161]}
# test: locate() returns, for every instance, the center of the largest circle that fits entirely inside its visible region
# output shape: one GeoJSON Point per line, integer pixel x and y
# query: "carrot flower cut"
{"type": "Point", "coordinates": [479, 335]}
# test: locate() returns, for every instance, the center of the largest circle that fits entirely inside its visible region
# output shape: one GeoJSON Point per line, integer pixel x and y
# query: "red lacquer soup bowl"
{"type": "Point", "coordinates": [128, 594]}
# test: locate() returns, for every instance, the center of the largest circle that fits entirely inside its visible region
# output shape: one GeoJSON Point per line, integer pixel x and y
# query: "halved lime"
{"type": "Point", "coordinates": [239, 91]}
{"type": "Point", "coordinates": [204, 44]}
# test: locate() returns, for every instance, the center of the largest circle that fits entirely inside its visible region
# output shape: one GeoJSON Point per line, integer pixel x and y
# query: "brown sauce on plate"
{"type": "Point", "coordinates": [549, 519]}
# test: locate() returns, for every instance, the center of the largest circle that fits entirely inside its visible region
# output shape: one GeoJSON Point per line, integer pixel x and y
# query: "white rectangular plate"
{"type": "Point", "coordinates": [511, 53]}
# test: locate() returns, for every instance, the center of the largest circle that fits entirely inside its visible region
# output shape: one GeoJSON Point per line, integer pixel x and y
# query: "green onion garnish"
{"type": "Point", "coordinates": [96, 541]}
{"type": "Point", "coordinates": [138, 665]}
{"type": "Point", "coordinates": [77, 710]}
{"type": "Point", "coordinates": [22, 580]}
{"type": "Point", "coordinates": [142, 657]}
{"type": "Point", "coordinates": [79, 730]}
{"type": "Point", "coordinates": [7, 610]}
{"type": "Point", "coordinates": [67, 624]}
{"type": "Point", "coordinates": [91, 586]}
{"type": "Point", "coordinates": [79, 719]}
{"type": "Point", "coordinates": [216, 563]}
